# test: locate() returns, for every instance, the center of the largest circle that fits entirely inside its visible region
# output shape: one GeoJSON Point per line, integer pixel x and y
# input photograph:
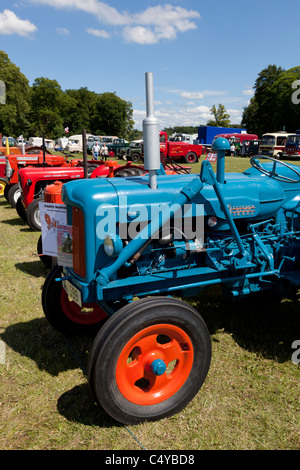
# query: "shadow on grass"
{"type": "Point", "coordinates": [78, 405]}
{"type": "Point", "coordinates": [258, 323]}
{"type": "Point", "coordinates": [33, 268]}
{"type": "Point", "coordinates": [54, 353]}
{"type": "Point", "coordinates": [51, 351]}
{"type": "Point", "coordinates": [17, 221]}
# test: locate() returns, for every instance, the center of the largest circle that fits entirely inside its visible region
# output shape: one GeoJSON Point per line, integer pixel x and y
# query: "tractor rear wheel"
{"type": "Point", "coordinates": [63, 313]}
{"type": "Point", "coordinates": [149, 360]}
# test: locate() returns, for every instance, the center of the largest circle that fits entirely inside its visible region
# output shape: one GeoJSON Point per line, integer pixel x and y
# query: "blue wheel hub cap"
{"type": "Point", "coordinates": [158, 367]}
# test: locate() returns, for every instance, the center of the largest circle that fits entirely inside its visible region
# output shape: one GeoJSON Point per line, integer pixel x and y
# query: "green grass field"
{"type": "Point", "coordinates": [250, 399]}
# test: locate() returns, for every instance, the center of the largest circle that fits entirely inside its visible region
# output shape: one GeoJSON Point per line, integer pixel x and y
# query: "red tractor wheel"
{"type": "Point", "coordinates": [63, 313]}
{"type": "Point", "coordinates": [149, 360]}
{"type": "Point", "coordinates": [3, 184]}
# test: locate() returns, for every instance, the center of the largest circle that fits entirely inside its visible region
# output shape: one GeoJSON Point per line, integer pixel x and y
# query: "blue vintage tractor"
{"type": "Point", "coordinates": [142, 244]}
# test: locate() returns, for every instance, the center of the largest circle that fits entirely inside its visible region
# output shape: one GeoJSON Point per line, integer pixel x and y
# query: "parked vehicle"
{"type": "Point", "coordinates": [250, 148]}
{"type": "Point", "coordinates": [272, 144]}
{"type": "Point", "coordinates": [11, 141]}
{"type": "Point", "coordinates": [236, 139]}
{"type": "Point", "coordinates": [179, 151]}
{"type": "Point", "coordinates": [75, 143]}
{"type": "Point", "coordinates": [62, 142]}
{"type": "Point", "coordinates": [116, 147]}
{"type": "Point", "coordinates": [292, 147]}
{"type": "Point", "coordinates": [33, 181]}
{"type": "Point", "coordinates": [190, 138]}
{"type": "Point", "coordinates": [15, 162]}
{"type": "Point", "coordinates": [91, 141]}
{"type": "Point", "coordinates": [206, 134]}
{"type": "Point", "coordinates": [35, 141]}
{"type": "Point", "coordinates": [134, 152]}
{"type": "Point", "coordinates": [108, 139]}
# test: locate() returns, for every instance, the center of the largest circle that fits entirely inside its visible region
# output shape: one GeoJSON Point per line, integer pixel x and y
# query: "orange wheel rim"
{"type": "Point", "coordinates": [2, 188]}
{"type": "Point", "coordinates": [89, 314]}
{"type": "Point", "coordinates": [136, 377]}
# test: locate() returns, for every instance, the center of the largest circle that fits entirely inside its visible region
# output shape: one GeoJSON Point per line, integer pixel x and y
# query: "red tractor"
{"type": "Point", "coordinates": [33, 181]}
{"type": "Point", "coordinates": [33, 157]}
{"type": "Point", "coordinates": [3, 155]}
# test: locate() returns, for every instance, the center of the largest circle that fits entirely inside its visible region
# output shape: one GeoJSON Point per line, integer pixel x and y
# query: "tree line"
{"type": "Point", "coordinates": [275, 105]}
{"type": "Point", "coordinates": [45, 108]}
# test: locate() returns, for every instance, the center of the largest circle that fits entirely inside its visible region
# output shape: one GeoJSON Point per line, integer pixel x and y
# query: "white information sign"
{"type": "Point", "coordinates": [56, 234]}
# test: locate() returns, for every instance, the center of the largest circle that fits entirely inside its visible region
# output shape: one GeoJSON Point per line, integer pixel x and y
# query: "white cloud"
{"type": "Point", "coordinates": [192, 95]}
{"type": "Point", "coordinates": [147, 27]}
{"type": "Point", "coordinates": [198, 95]}
{"type": "Point", "coordinates": [214, 92]}
{"type": "Point", "coordinates": [10, 23]}
{"type": "Point", "coordinates": [103, 11]}
{"type": "Point", "coordinates": [63, 31]}
{"type": "Point", "coordinates": [139, 35]}
{"type": "Point", "coordinates": [98, 32]}
{"type": "Point", "coordinates": [248, 92]}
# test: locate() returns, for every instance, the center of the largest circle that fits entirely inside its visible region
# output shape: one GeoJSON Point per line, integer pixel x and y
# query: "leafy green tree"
{"type": "Point", "coordinates": [135, 134]}
{"type": "Point", "coordinates": [14, 110]}
{"type": "Point", "coordinates": [112, 116]}
{"type": "Point", "coordinates": [258, 116]}
{"type": "Point", "coordinates": [221, 118]}
{"type": "Point", "coordinates": [285, 109]}
{"type": "Point", "coordinates": [46, 103]}
{"type": "Point", "coordinates": [78, 109]}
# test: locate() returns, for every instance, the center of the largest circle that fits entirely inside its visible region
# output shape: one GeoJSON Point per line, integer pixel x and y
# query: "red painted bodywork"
{"type": "Point", "coordinates": [177, 150]}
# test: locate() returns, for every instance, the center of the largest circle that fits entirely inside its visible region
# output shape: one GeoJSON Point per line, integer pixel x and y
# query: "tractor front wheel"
{"type": "Point", "coordinates": [13, 194]}
{"type": "Point", "coordinates": [149, 360]}
{"type": "Point", "coordinates": [21, 211]}
{"type": "Point", "coordinates": [33, 214]}
{"type": "Point", "coordinates": [63, 313]}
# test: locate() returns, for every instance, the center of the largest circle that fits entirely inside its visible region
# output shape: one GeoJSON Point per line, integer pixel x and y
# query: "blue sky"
{"type": "Point", "coordinates": [200, 52]}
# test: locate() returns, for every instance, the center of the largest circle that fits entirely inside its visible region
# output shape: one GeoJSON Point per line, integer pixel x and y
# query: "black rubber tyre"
{"type": "Point", "coordinates": [63, 314]}
{"type": "Point", "coordinates": [33, 214]}
{"type": "Point", "coordinates": [135, 157]}
{"type": "Point", "coordinates": [191, 157]}
{"type": "Point", "coordinates": [6, 189]}
{"type": "Point", "coordinates": [131, 392]}
{"type": "Point", "coordinates": [13, 194]}
{"type": "Point", "coordinates": [21, 211]}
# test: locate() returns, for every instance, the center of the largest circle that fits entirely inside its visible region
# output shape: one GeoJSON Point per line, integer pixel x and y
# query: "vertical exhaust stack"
{"type": "Point", "coordinates": [151, 135]}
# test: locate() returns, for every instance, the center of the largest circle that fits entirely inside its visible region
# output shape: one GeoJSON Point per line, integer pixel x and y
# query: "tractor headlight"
{"type": "Point", "coordinates": [112, 245]}
{"type": "Point", "coordinates": [8, 169]}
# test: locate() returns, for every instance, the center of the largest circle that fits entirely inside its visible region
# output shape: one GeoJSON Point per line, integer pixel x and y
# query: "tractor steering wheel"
{"type": "Point", "coordinates": [272, 173]}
